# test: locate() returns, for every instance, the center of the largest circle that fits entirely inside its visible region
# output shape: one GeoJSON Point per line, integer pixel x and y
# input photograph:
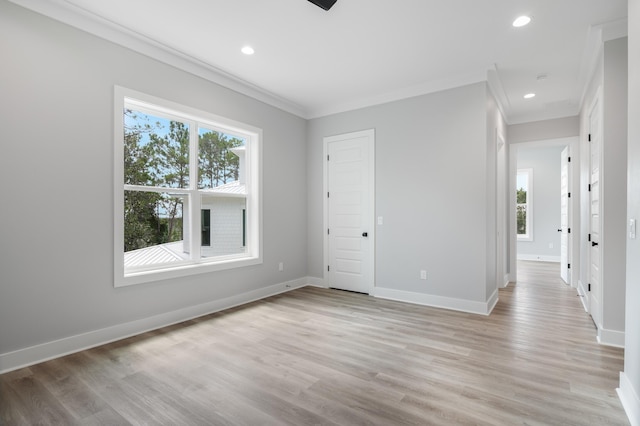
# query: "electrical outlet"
{"type": "Point", "coordinates": [550, 245]}
{"type": "Point", "coordinates": [281, 266]}
{"type": "Point", "coordinates": [423, 275]}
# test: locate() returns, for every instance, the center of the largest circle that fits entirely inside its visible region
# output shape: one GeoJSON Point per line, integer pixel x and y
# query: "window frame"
{"type": "Point", "coordinates": [127, 98]}
{"type": "Point", "coordinates": [529, 205]}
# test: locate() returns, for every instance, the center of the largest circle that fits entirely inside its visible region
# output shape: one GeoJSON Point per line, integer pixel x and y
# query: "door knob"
{"type": "Point", "coordinates": [560, 230]}
{"type": "Point", "coordinates": [593, 244]}
{"type": "Point", "coordinates": [364, 234]}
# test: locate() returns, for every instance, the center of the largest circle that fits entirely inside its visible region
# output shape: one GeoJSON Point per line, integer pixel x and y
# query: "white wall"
{"type": "Point", "coordinates": [431, 190]}
{"type": "Point", "coordinates": [609, 82]}
{"type": "Point", "coordinates": [56, 224]}
{"type": "Point", "coordinates": [545, 162]}
{"type": "Point", "coordinates": [630, 380]}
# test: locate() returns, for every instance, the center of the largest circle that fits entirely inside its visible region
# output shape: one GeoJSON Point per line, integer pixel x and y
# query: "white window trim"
{"type": "Point", "coordinates": [529, 235]}
{"type": "Point", "coordinates": [254, 198]}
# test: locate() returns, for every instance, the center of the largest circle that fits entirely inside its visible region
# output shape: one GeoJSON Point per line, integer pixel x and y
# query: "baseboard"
{"type": "Point", "coordinates": [506, 280]}
{"type": "Point", "coordinates": [35, 354]}
{"type": "Point", "coordinates": [316, 282]}
{"type": "Point", "coordinates": [582, 292]}
{"type": "Point", "coordinates": [611, 338]}
{"type": "Point", "coordinates": [539, 258]}
{"type": "Point", "coordinates": [629, 398]}
{"type": "Point", "coordinates": [482, 308]}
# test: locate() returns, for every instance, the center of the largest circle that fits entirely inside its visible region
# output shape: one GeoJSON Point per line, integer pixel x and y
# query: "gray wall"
{"type": "Point", "coordinates": [614, 184]}
{"type": "Point", "coordinates": [431, 189]}
{"type": "Point", "coordinates": [545, 162]}
{"type": "Point", "coordinates": [632, 344]}
{"type": "Point", "coordinates": [56, 223]}
{"type": "Point", "coordinates": [546, 129]}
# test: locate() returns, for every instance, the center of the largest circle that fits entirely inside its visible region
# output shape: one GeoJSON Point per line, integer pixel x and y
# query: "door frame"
{"type": "Point", "coordinates": [565, 233]}
{"type": "Point", "coordinates": [370, 261]}
{"type": "Point", "coordinates": [502, 225]}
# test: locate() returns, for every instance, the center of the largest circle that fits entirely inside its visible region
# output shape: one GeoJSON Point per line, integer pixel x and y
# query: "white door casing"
{"type": "Point", "coordinates": [349, 211]}
{"type": "Point", "coordinates": [595, 234]}
{"type": "Point", "coordinates": [501, 223]}
{"type": "Point", "coordinates": [565, 272]}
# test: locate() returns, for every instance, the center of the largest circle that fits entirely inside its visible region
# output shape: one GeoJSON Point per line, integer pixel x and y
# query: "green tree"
{"type": "Point", "coordinates": [141, 224]}
{"type": "Point", "coordinates": [521, 211]}
{"type": "Point", "coordinates": [217, 163]}
{"type": "Point", "coordinates": [172, 156]}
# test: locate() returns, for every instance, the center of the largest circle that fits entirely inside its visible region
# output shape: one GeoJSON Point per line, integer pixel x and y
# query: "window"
{"type": "Point", "coordinates": [187, 190]}
{"type": "Point", "coordinates": [524, 204]}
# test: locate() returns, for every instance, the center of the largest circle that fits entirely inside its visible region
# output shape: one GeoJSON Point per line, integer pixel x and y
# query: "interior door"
{"type": "Point", "coordinates": [564, 216]}
{"type": "Point", "coordinates": [595, 255]}
{"type": "Point", "coordinates": [349, 212]}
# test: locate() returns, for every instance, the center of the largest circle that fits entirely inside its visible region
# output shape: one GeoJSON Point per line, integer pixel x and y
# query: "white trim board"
{"type": "Point", "coordinates": [539, 258]}
{"type": "Point", "coordinates": [470, 306]}
{"type": "Point", "coordinates": [611, 337]}
{"type": "Point", "coordinates": [46, 351]}
{"type": "Point", "coordinates": [629, 399]}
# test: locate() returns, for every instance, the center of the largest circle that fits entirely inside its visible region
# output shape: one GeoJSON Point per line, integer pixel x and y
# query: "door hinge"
{"type": "Point", "coordinates": [328, 231]}
{"type": "Point", "coordinates": [327, 194]}
{"type": "Point", "coordinates": [568, 266]}
{"type": "Point", "coordinates": [327, 157]}
{"type": "Point", "coordinates": [568, 159]}
{"type": "Point", "coordinates": [569, 194]}
{"type": "Point", "coordinates": [328, 268]}
{"type": "Point", "coordinates": [589, 187]}
{"type": "Point", "coordinates": [589, 287]}
{"type": "Point", "coordinates": [569, 230]}
{"type": "Point", "coordinates": [589, 137]}
{"type": "Point", "coordinates": [589, 239]}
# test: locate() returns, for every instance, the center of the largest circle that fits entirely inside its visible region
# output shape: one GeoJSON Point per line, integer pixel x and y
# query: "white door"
{"type": "Point", "coordinates": [595, 273]}
{"type": "Point", "coordinates": [564, 216]}
{"type": "Point", "coordinates": [349, 242]}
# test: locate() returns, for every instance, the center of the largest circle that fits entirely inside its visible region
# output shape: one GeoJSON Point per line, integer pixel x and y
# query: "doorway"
{"type": "Point", "coordinates": [543, 178]}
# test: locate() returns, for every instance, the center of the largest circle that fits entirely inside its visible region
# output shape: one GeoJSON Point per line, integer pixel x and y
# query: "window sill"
{"type": "Point", "coordinates": [142, 277]}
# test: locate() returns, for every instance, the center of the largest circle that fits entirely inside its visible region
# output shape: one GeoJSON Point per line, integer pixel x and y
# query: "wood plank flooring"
{"type": "Point", "coordinates": [325, 357]}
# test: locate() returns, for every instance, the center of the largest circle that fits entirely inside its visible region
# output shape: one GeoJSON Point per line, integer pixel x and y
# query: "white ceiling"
{"type": "Point", "coordinates": [362, 52]}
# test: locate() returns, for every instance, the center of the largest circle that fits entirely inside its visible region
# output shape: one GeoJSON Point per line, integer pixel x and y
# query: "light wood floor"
{"type": "Point", "coordinates": [317, 356]}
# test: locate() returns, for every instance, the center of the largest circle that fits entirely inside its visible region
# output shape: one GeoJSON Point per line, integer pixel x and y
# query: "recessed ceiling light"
{"type": "Point", "coordinates": [521, 21]}
{"type": "Point", "coordinates": [530, 95]}
{"type": "Point", "coordinates": [248, 50]}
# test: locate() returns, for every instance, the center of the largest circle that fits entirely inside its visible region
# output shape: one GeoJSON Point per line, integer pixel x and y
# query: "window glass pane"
{"type": "Point", "coordinates": [523, 204]}
{"type": "Point", "coordinates": [153, 229]}
{"type": "Point", "coordinates": [205, 227]}
{"type": "Point", "coordinates": [522, 183]}
{"type": "Point", "coordinates": [219, 162]}
{"type": "Point", "coordinates": [521, 219]}
{"type": "Point", "coordinates": [226, 231]}
{"type": "Point", "coordinates": [156, 151]}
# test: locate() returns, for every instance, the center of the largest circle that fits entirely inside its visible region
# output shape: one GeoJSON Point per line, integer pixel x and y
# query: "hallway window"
{"type": "Point", "coordinates": [524, 206]}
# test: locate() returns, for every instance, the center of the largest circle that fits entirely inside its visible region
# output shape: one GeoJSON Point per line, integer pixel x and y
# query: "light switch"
{"type": "Point", "coordinates": [632, 229]}
{"type": "Point", "coordinates": [379, 220]}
